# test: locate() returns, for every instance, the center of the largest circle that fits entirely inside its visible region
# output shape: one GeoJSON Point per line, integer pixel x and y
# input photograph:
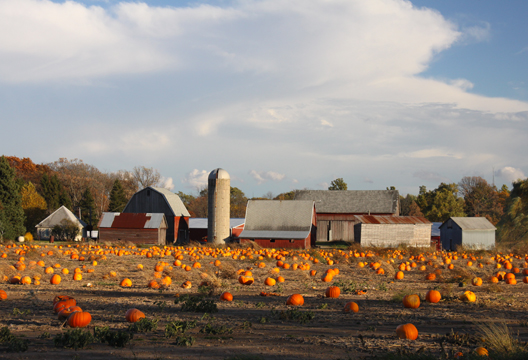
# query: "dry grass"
{"type": "Point", "coordinates": [456, 275]}
{"type": "Point", "coordinates": [227, 271]}
{"type": "Point", "coordinates": [497, 337]}
{"type": "Point", "coordinates": [492, 288]}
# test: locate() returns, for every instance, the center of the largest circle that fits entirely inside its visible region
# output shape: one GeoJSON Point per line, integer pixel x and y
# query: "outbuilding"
{"type": "Point", "coordinates": [474, 232]}
{"type": "Point", "coordinates": [61, 217]}
{"type": "Point", "coordinates": [198, 228]}
{"type": "Point", "coordinates": [337, 209]}
{"type": "Point", "coordinates": [137, 228]}
{"type": "Point", "coordinates": [392, 231]}
{"type": "Point", "coordinates": [280, 223]}
{"type": "Point", "coordinates": [160, 200]}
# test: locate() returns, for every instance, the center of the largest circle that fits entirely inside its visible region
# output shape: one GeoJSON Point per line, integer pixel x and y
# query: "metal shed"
{"type": "Point", "coordinates": [159, 200]}
{"type": "Point", "coordinates": [475, 232]}
{"type": "Point", "coordinates": [280, 223]}
{"type": "Point", "coordinates": [392, 231]}
{"type": "Point", "coordinates": [138, 228]}
{"type": "Point", "coordinates": [337, 209]}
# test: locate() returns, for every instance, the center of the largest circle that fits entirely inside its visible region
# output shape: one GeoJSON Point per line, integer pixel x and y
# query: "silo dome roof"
{"type": "Point", "coordinates": [219, 174]}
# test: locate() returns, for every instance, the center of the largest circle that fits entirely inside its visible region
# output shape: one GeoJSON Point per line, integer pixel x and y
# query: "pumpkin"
{"type": "Point", "coordinates": [15, 279]}
{"type": "Point", "coordinates": [511, 281]}
{"type": "Point", "coordinates": [411, 301]}
{"type": "Point", "coordinates": [26, 280]}
{"type": "Point", "coordinates": [525, 279]}
{"type": "Point", "coordinates": [49, 270]}
{"type": "Point", "coordinates": [61, 305]}
{"type": "Point", "coordinates": [186, 285]}
{"type": "Point", "coordinates": [153, 284]}
{"type": "Point", "coordinates": [313, 273]}
{"type": "Point", "coordinates": [55, 279]}
{"type": "Point", "coordinates": [476, 281]}
{"type": "Point", "coordinates": [407, 331]}
{"type": "Point", "coordinates": [126, 282]}
{"type": "Point", "coordinates": [494, 280]}
{"type": "Point", "coordinates": [3, 295]}
{"type": "Point", "coordinates": [65, 313]}
{"type": "Point", "coordinates": [333, 292]}
{"type": "Point", "coordinates": [431, 277]}
{"type": "Point", "coordinates": [327, 277]}
{"type": "Point", "coordinates": [246, 280]}
{"type": "Point", "coordinates": [468, 296]}
{"type": "Point", "coordinates": [58, 298]}
{"type": "Point", "coordinates": [295, 300]}
{"type": "Point", "coordinates": [351, 307]}
{"type": "Point", "coordinates": [134, 315]}
{"type": "Point", "coordinates": [482, 351]}
{"type": "Point", "coordinates": [77, 276]}
{"type": "Point", "coordinates": [433, 296]}
{"type": "Point", "coordinates": [226, 296]}
{"type": "Point", "coordinates": [399, 275]}
{"type": "Point", "coordinates": [509, 276]}
{"type": "Point", "coordinates": [269, 281]}
{"type": "Point", "coordinates": [79, 319]}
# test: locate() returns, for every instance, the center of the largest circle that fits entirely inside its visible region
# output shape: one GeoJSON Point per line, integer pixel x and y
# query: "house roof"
{"type": "Point", "coordinates": [133, 220]}
{"type": "Point", "coordinates": [278, 219]}
{"type": "Point", "coordinates": [62, 213]}
{"type": "Point", "coordinates": [472, 223]}
{"type": "Point", "coordinates": [352, 201]}
{"type": "Point", "coordinates": [380, 219]}
{"type": "Point", "coordinates": [201, 223]}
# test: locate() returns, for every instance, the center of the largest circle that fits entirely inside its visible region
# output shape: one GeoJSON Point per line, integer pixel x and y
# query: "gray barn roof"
{"type": "Point", "coordinates": [472, 223]}
{"type": "Point", "coordinates": [352, 201]}
{"type": "Point", "coordinates": [278, 219]}
{"type": "Point", "coordinates": [201, 223]}
{"type": "Point", "coordinates": [174, 201]}
{"type": "Point", "coordinates": [62, 213]}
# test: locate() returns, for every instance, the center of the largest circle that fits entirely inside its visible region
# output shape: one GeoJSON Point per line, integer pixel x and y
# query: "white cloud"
{"type": "Point", "coordinates": [196, 179]}
{"type": "Point", "coordinates": [431, 153]}
{"type": "Point", "coordinates": [510, 174]}
{"type": "Point", "coordinates": [167, 183]}
{"type": "Point", "coordinates": [263, 176]}
{"type": "Point", "coordinates": [462, 84]}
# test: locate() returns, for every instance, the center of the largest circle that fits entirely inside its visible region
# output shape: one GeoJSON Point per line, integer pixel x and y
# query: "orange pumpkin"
{"type": "Point", "coordinates": [64, 304]}
{"type": "Point", "coordinates": [65, 313]}
{"type": "Point", "coordinates": [333, 292]}
{"type": "Point", "coordinates": [79, 319]}
{"type": "Point", "coordinates": [468, 296]}
{"type": "Point", "coordinates": [476, 281]}
{"type": "Point", "coordinates": [411, 301]}
{"type": "Point", "coordinates": [399, 275]}
{"type": "Point", "coordinates": [407, 331]}
{"type": "Point", "coordinates": [295, 300]}
{"type": "Point", "coordinates": [134, 315]}
{"type": "Point", "coordinates": [269, 281]}
{"type": "Point", "coordinates": [55, 279]}
{"type": "Point", "coordinates": [351, 307]}
{"type": "Point", "coordinates": [433, 296]}
{"type": "Point", "coordinates": [3, 295]}
{"type": "Point", "coordinates": [126, 283]}
{"type": "Point", "coordinates": [226, 296]}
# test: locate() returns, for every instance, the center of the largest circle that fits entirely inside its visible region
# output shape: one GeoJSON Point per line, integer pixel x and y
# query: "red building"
{"type": "Point", "coordinates": [280, 224]}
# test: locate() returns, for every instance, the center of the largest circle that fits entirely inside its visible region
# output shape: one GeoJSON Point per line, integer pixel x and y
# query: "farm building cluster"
{"type": "Point", "coordinates": [367, 217]}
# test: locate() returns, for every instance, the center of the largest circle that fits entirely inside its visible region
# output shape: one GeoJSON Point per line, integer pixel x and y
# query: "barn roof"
{"type": "Point", "coordinates": [201, 223]}
{"type": "Point", "coordinates": [472, 223]}
{"type": "Point", "coordinates": [352, 201]}
{"type": "Point", "coordinates": [62, 213]}
{"type": "Point", "coordinates": [175, 204]}
{"type": "Point", "coordinates": [278, 219]}
{"type": "Point", "coordinates": [132, 221]}
{"type": "Point", "coordinates": [380, 219]}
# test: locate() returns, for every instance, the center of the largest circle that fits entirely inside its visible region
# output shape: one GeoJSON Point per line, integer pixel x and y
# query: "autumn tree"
{"type": "Point", "coordinates": [27, 171]}
{"type": "Point", "coordinates": [513, 227]}
{"type": "Point", "coordinates": [11, 200]}
{"type": "Point", "coordinates": [118, 199]}
{"type": "Point", "coordinates": [146, 177]}
{"type": "Point", "coordinates": [286, 196]}
{"type": "Point", "coordinates": [238, 203]}
{"type": "Point", "coordinates": [185, 198]}
{"type": "Point", "coordinates": [480, 198]}
{"type": "Point", "coordinates": [338, 184]}
{"type": "Point", "coordinates": [34, 206]}
{"type": "Point", "coordinates": [441, 203]}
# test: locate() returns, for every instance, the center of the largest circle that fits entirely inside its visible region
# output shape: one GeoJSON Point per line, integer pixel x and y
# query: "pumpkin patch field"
{"type": "Point", "coordinates": [100, 301]}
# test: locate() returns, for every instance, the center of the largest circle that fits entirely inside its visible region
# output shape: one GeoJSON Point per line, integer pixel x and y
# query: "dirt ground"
{"type": "Point", "coordinates": [262, 327]}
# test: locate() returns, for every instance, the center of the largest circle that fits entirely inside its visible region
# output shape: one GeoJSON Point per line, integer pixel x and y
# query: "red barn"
{"type": "Point", "coordinates": [136, 228]}
{"type": "Point", "coordinates": [280, 223]}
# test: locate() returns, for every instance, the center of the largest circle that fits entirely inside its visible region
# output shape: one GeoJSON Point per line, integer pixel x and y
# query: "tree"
{"type": "Point", "coordinates": [338, 184]}
{"type": "Point", "coordinates": [27, 171]}
{"type": "Point", "coordinates": [414, 210]}
{"type": "Point", "coordinates": [146, 177]}
{"type": "Point", "coordinates": [11, 202]}
{"type": "Point", "coordinates": [118, 198]}
{"type": "Point", "coordinates": [441, 203]}
{"type": "Point", "coordinates": [238, 203]}
{"type": "Point", "coordinates": [88, 214]}
{"type": "Point", "coordinates": [405, 204]}
{"type": "Point", "coordinates": [67, 230]}
{"type": "Point", "coordinates": [480, 198]}
{"type": "Point", "coordinates": [513, 227]}
{"type": "Point", "coordinates": [285, 196]}
{"type": "Point", "coordinates": [34, 206]}
{"type": "Point", "coordinates": [185, 198]}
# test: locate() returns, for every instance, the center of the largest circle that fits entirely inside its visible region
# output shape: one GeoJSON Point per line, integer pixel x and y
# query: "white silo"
{"type": "Point", "coordinates": [219, 194]}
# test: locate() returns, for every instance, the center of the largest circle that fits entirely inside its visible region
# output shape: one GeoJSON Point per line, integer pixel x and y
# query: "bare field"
{"type": "Point", "coordinates": [253, 326]}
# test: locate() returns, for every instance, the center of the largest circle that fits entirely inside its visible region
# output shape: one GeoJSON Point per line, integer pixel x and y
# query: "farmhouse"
{"type": "Point", "coordinates": [60, 217]}
{"type": "Point", "coordinates": [280, 223]}
{"type": "Point", "coordinates": [475, 232]}
{"type": "Point", "coordinates": [159, 200]}
{"type": "Point", "coordinates": [136, 228]}
{"type": "Point", "coordinates": [392, 231]}
{"type": "Point", "coordinates": [337, 209]}
{"type": "Point", "coordinates": [198, 228]}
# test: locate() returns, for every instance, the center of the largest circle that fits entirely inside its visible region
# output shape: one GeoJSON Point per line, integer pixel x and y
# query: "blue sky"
{"type": "Point", "coordinates": [283, 94]}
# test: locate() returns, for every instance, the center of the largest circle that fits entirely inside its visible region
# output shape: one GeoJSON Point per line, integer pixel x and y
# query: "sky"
{"type": "Point", "coordinates": [282, 94]}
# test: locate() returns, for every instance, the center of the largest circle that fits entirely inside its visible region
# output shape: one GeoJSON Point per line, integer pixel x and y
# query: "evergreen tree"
{"type": "Point", "coordinates": [87, 208]}
{"type": "Point", "coordinates": [513, 227]}
{"type": "Point", "coordinates": [118, 198]}
{"type": "Point", "coordinates": [11, 202]}
{"type": "Point", "coordinates": [50, 191]}
{"type": "Point", "coordinates": [3, 222]}
{"type": "Point", "coordinates": [64, 199]}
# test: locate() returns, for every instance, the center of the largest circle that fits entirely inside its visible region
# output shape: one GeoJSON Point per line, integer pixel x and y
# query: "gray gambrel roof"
{"type": "Point", "coordinates": [352, 201]}
{"type": "Point", "coordinates": [174, 202]}
{"type": "Point", "coordinates": [472, 223]}
{"type": "Point", "coordinates": [278, 219]}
